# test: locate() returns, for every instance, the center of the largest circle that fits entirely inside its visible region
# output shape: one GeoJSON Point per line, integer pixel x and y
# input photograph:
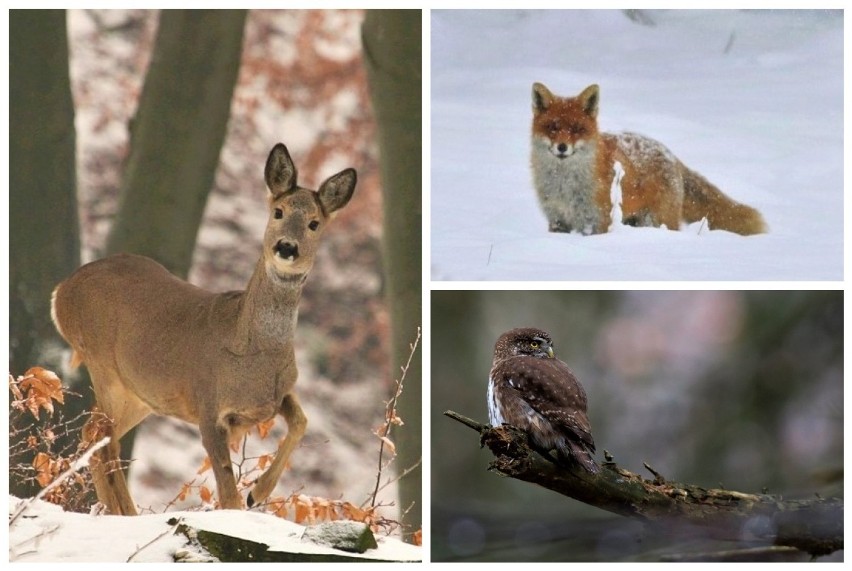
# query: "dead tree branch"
{"type": "Point", "coordinates": [814, 526]}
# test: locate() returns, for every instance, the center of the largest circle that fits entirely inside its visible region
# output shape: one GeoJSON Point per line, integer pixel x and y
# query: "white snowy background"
{"type": "Point", "coordinates": [753, 100]}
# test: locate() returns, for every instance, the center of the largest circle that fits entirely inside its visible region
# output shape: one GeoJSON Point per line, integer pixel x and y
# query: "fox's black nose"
{"type": "Point", "coordinates": [561, 147]}
{"type": "Point", "coordinates": [287, 250]}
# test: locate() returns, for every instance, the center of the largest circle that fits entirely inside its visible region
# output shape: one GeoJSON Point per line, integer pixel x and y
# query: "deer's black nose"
{"type": "Point", "coordinates": [287, 250]}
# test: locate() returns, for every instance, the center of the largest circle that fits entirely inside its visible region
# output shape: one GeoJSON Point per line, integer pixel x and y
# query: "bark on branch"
{"type": "Point", "coordinates": [814, 526]}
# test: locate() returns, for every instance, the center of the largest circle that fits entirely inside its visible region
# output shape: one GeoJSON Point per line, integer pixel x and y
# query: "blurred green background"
{"type": "Point", "coordinates": [742, 390]}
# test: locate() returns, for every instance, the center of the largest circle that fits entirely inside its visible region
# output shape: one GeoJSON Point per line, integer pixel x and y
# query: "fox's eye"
{"type": "Point", "coordinates": [278, 214]}
{"type": "Point", "coordinates": [314, 224]}
{"type": "Point", "coordinates": [553, 126]}
{"type": "Point", "coordinates": [577, 129]}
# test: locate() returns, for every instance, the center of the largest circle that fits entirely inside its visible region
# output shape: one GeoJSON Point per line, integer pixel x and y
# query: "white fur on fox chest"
{"type": "Point", "coordinates": [566, 186]}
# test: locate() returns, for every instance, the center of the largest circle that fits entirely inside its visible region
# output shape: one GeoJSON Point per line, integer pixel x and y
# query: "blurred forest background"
{"type": "Point", "coordinates": [741, 390]}
{"type": "Point", "coordinates": [154, 127]}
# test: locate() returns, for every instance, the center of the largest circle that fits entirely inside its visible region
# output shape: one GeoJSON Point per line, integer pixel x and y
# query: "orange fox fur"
{"type": "Point", "coordinates": [573, 166]}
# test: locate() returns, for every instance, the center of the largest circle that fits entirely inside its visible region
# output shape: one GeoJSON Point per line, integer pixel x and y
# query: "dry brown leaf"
{"type": "Point", "coordinates": [417, 537]}
{"type": "Point", "coordinates": [44, 468]}
{"type": "Point", "coordinates": [354, 513]}
{"type": "Point", "coordinates": [205, 494]}
{"type": "Point", "coordinates": [391, 446]}
{"type": "Point", "coordinates": [278, 506]}
{"type": "Point", "coordinates": [42, 387]}
{"type": "Point", "coordinates": [206, 465]}
{"type": "Point", "coordinates": [264, 460]}
{"type": "Point", "coordinates": [302, 509]}
{"type": "Point", "coordinates": [51, 383]}
{"type": "Point", "coordinates": [183, 492]}
{"type": "Point", "coordinates": [263, 428]}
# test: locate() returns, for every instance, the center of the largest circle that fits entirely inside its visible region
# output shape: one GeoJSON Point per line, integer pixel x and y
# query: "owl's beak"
{"type": "Point", "coordinates": [550, 352]}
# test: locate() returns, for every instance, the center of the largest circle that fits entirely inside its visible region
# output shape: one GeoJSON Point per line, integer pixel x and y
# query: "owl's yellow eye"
{"type": "Point", "coordinates": [534, 344]}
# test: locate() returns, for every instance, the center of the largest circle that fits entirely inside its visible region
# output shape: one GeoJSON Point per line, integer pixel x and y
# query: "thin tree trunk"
{"type": "Point", "coordinates": [44, 244]}
{"type": "Point", "coordinates": [177, 134]}
{"type": "Point", "coordinates": [392, 54]}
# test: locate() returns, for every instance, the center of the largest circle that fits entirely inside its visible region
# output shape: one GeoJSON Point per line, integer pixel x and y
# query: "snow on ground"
{"type": "Point", "coordinates": [753, 100]}
{"type": "Point", "coordinates": [46, 533]}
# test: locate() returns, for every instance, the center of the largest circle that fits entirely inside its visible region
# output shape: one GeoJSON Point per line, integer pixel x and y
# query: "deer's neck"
{"type": "Point", "coordinates": [268, 312]}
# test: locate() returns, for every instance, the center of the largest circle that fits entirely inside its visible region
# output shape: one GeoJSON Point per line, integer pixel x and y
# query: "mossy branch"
{"type": "Point", "coordinates": [814, 526]}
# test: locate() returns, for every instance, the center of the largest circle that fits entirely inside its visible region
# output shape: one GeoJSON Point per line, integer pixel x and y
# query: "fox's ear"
{"type": "Point", "coordinates": [541, 98]}
{"type": "Point", "coordinates": [589, 100]}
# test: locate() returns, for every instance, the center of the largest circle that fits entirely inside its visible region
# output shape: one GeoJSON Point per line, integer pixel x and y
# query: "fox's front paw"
{"type": "Point", "coordinates": [558, 226]}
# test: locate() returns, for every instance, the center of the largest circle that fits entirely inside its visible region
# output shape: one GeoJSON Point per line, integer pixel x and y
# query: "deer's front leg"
{"type": "Point", "coordinates": [214, 437]}
{"type": "Point", "coordinates": [296, 425]}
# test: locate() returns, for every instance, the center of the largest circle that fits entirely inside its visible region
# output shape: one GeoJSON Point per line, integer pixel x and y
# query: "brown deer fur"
{"type": "Point", "coordinates": [223, 361]}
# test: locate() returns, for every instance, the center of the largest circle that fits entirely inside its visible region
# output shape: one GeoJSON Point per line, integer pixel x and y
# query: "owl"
{"type": "Point", "coordinates": [530, 389]}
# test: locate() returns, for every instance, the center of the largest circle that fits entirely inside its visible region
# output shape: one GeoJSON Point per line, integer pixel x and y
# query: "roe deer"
{"type": "Point", "coordinates": [223, 361]}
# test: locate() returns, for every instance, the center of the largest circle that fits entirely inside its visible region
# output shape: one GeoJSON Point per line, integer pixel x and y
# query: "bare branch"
{"type": "Point", "coordinates": [390, 481]}
{"type": "Point", "coordinates": [391, 418]}
{"type": "Point", "coordinates": [165, 533]}
{"type": "Point", "coordinates": [79, 463]}
{"type": "Point", "coordinates": [814, 526]}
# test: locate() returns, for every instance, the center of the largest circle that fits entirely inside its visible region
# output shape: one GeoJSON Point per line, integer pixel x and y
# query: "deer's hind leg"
{"type": "Point", "coordinates": [116, 412]}
{"type": "Point", "coordinates": [296, 425]}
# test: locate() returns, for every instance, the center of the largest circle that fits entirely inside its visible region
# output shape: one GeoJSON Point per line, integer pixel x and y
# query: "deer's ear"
{"type": "Point", "coordinates": [280, 172]}
{"type": "Point", "coordinates": [335, 193]}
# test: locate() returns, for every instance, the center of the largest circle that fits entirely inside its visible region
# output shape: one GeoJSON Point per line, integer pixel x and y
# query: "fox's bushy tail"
{"type": "Point", "coordinates": [702, 199]}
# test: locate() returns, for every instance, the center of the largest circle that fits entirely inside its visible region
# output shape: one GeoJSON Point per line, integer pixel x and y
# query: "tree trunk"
{"type": "Point", "coordinates": [44, 244]}
{"type": "Point", "coordinates": [392, 55]}
{"type": "Point", "coordinates": [177, 134]}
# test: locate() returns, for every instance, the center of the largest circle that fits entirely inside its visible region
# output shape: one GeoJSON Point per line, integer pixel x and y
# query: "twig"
{"type": "Point", "coordinates": [477, 426]}
{"type": "Point", "coordinates": [399, 477]}
{"type": "Point", "coordinates": [168, 531]}
{"type": "Point", "coordinates": [390, 416]}
{"type": "Point", "coordinates": [658, 477]}
{"type": "Point", "coordinates": [33, 539]}
{"type": "Point", "coordinates": [76, 466]}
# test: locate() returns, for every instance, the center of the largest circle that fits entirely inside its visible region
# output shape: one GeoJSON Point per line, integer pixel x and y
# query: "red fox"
{"type": "Point", "coordinates": [573, 166]}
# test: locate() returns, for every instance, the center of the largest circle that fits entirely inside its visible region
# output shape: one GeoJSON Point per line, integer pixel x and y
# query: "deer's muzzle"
{"type": "Point", "coordinates": [287, 250]}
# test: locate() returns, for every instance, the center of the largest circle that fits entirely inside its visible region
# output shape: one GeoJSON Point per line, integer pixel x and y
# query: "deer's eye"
{"type": "Point", "coordinates": [278, 214]}
{"type": "Point", "coordinates": [314, 224]}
